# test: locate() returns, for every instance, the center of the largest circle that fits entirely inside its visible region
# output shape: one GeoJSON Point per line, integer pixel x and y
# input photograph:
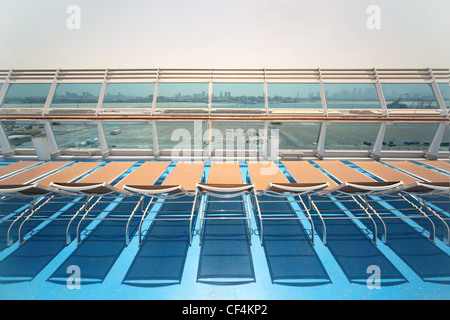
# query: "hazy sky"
{"type": "Point", "coordinates": [224, 34]}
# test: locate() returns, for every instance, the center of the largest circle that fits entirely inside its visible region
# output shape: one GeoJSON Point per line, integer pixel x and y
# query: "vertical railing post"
{"type": "Point", "coordinates": [437, 94]}
{"type": "Point", "coordinates": [102, 93]}
{"type": "Point", "coordinates": [102, 140]}
{"type": "Point", "coordinates": [380, 93]}
{"type": "Point", "coordinates": [433, 150]}
{"type": "Point", "coordinates": [50, 95]}
{"type": "Point", "coordinates": [322, 94]}
{"type": "Point", "coordinates": [321, 140]}
{"type": "Point", "coordinates": [376, 151]}
{"type": "Point", "coordinates": [5, 86]}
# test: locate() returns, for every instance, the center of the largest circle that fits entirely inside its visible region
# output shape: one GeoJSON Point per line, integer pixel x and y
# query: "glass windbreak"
{"type": "Point", "coordinates": [351, 136]}
{"type": "Point", "coordinates": [77, 134]}
{"type": "Point", "coordinates": [128, 95]}
{"type": "Point", "coordinates": [444, 88]}
{"type": "Point", "coordinates": [237, 135]}
{"type": "Point", "coordinates": [181, 134]}
{"type": "Point", "coordinates": [182, 95]}
{"type": "Point", "coordinates": [26, 95]}
{"type": "Point", "coordinates": [409, 96]}
{"type": "Point", "coordinates": [351, 96]}
{"type": "Point", "coordinates": [409, 136]}
{"type": "Point", "coordinates": [238, 95]}
{"type": "Point", "coordinates": [76, 95]}
{"type": "Point", "coordinates": [295, 135]}
{"type": "Point", "coordinates": [294, 95]}
{"type": "Point", "coordinates": [128, 134]}
{"type": "Point", "coordinates": [21, 133]}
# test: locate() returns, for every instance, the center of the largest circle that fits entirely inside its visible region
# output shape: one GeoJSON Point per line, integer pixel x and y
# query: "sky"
{"type": "Point", "coordinates": [224, 34]}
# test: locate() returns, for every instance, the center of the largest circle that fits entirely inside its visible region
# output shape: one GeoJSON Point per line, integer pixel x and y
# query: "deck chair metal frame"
{"type": "Point", "coordinates": [225, 191]}
{"type": "Point", "coordinates": [338, 193]}
{"type": "Point", "coordinates": [21, 184]}
{"type": "Point", "coordinates": [397, 193]}
{"type": "Point", "coordinates": [174, 187]}
{"type": "Point", "coordinates": [164, 192]}
{"type": "Point", "coordinates": [411, 192]}
{"type": "Point", "coordinates": [349, 192]}
{"type": "Point", "coordinates": [39, 194]}
{"type": "Point", "coordinates": [102, 193]}
{"type": "Point", "coordinates": [286, 190]}
{"type": "Point", "coordinates": [422, 192]}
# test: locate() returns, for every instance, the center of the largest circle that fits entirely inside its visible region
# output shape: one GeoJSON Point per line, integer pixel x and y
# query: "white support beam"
{"type": "Point", "coordinates": [156, 150]}
{"type": "Point", "coordinates": [50, 95]}
{"type": "Point", "coordinates": [155, 94]}
{"type": "Point", "coordinates": [102, 93]}
{"type": "Point", "coordinates": [433, 150]}
{"type": "Point", "coordinates": [7, 149]}
{"type": "Point", "coordinates": [266, 97]}
{"type": "Point", "coordinates": [54, 150]}
{"type": "Point", "coordinates": [102, 140]}
{"type": "Point", "coordinates": [376, 151]}
{"type": "Point", "coordinates": [210, 91]}
{"type": "Point", "coordinates": [5, 87]}
{"type": "Point", "coordinates": [437, 94]}
{"type": "Point", "coordinates": [380, 93]}
{"type": "Point", "coordinates": [321, 140]}
{"type": "Point", "coordinates": [322, 95]}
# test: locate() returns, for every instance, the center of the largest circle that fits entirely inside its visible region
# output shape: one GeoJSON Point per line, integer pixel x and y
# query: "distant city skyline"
{"type": "Point", "coordinates": [90, 93]}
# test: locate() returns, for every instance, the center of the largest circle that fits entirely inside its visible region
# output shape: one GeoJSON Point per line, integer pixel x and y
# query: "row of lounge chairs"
{"type": "Point", "coordinates": [221, 193]}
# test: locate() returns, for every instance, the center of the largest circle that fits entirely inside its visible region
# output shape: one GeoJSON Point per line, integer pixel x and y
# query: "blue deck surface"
{"type": "Point", "coordinates": [225, 266]}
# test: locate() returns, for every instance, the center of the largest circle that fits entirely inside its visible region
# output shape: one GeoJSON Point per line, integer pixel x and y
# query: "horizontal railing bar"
{"type": "Point", "coordinates": [215, 118]}
{"type": "Point", "coordinates": [82, 70]}
{"type": "Point", "coordinates": [31, 78]}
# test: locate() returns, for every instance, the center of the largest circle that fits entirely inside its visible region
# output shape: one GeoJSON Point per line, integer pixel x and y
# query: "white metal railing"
{"type": "Point", "coordinates": [211, 76]}
{"type": "Point", "coordinates": [263, 76]}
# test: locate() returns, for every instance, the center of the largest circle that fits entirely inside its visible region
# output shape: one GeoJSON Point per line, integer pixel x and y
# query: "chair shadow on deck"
{"type": "Point", "coordinates": [354, 252]}
{"type": "Point", "coordinates": [225, 256]}
{"type": "Point", "coordinates": [290, 255]}
{"type": "Point", "coordinates": [41, 247]}
{"type": "Point", "coordinates": [412, 245]}
{"type": "Point", "coordinates": [99, 250]}
{"type": "Point", "coordinates": [162, 255]}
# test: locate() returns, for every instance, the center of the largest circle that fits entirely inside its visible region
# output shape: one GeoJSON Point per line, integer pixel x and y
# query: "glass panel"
{"type": "Point", "coordinates": [182, 95]}
{"type": "Point", "coordinates": [181, 133]}
{"type": "Point", "coordinates": [294, 95]}
{"type": "Point", "coordinates": [296, 135]}
{"type": "Point", "coordinates": [26, 95]}
{"type": "Point", "coordinates": [409, 96]}
{"type": "Point", "coordinates": [409, 136]}
{"type": "Point", "coordinates": [445, 92]}
{"type": "Point", "coordinates": [128, 134]}
{"type": "Point", "coordinates": [76, 95]}
{"type": "Point", "coordinates": [77, 134]}
{"type": "Point", "coordinates": [238, 95]}
{"type": "Point", "coordinates": [351, 96]}
{"type": "Point", "coordinates": [128, 95]}
{"type": "Point", "coordinates": [351, 136]}
{"type": "Point", "coordinates": [20, 133]}
{"type": "Point", "coordinates": [237, 135]}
